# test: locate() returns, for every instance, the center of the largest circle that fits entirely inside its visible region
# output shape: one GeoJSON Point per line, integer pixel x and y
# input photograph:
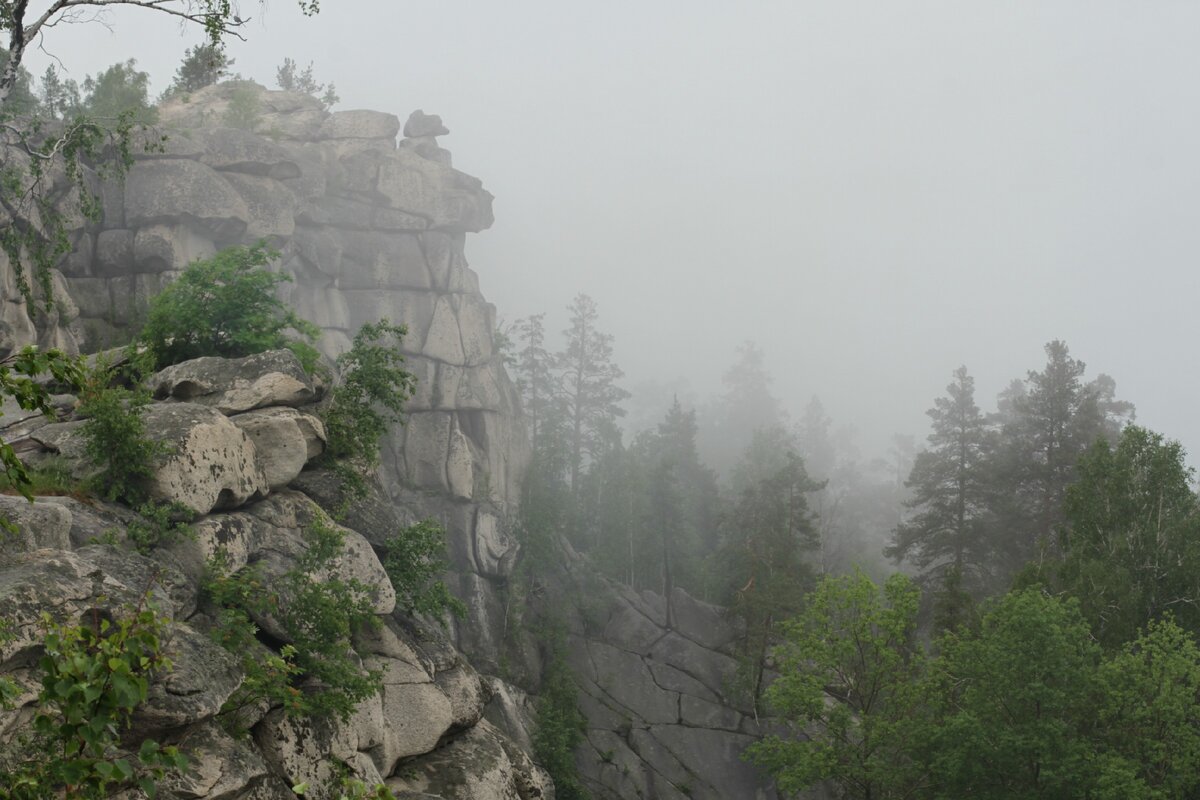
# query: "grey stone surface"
{"type": "Point", "coordinates": [210, 462]}
{"type": "Point", "coordinates": [233, 385]}
{"type": "Point", "coordinates": [285, 440]}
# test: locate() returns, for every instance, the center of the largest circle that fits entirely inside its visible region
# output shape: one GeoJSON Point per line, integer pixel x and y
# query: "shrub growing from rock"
{"type": "Point", "coordinates": [319, 614]}
{"type": "Point", "coordinates": [225, 306]}
{"type": "Point", "coordinates": [93, 676]}
{"type": "Point", "coordinates": [415, 560]}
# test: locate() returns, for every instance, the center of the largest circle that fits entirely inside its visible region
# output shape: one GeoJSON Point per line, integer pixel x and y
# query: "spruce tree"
{"type": "Point", "coordinates": [947, 537]}
{"type": "Point", "coordinates": [588, 386]}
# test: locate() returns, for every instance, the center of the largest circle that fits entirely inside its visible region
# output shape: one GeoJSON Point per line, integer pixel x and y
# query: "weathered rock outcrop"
{"type": "Point", "coordinates": [367, 228]}
{"type": "Point", "coordinates": [74, 560]}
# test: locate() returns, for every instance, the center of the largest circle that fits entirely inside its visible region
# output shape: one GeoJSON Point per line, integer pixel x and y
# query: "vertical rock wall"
{"type": "Point", "coordinates": [368, 228]}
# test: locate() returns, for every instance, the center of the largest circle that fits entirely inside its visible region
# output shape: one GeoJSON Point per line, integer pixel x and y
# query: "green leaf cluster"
{"type": "Point", "coordinates": [318, 673]}
{"type": "Point", "coordinates": [115, 438]}
{"type": "Point", "coordinates": [1025, 704]}
{"type": "Point", "coordinates": [19, 380]}
{"type": "Point", "coordinates": [93, 677]}
{"type": "Point", "coordinates": [415, 560]}
{"type": "Point", "coordinates": [560, 724]}
{"type": "Point", "coordinates": [225, 306]}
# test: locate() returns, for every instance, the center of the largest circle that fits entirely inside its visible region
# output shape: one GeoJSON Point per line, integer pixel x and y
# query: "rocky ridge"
{"type": "Point", "coordinates": [370, 227]}
{"type": "Point", "coordinates": [244, 430]}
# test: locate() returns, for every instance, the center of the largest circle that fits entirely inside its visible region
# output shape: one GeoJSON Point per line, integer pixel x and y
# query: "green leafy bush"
{"type": "Point", "coordinates": [318, 673]}
{"type": "Point", "coordinates": [114, 433]}
{"type": "Point", "coordinates": [244, 110]}
{"type": "Point", "coordinates": [93, 677]}
{"type": "Point", "coordinates": [370, 394]}
{"type": "Point", "coordinates": [18, 381]}
{"type": "Point", "coordinates": [225, 306]}
{"type": "Point", "coordinates": [158, 524]}
{"type": "Point", "coordinates": [415, 560]}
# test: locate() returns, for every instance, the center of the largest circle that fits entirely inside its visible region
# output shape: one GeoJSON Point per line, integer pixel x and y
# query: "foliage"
{"type": "Point", "coordinates": [948, 536]}
{"type": "Point", "coordinates": [202, 65]}
{"type": "Point", "coordinates": [93, 678]}
{"type": "Point", "coordinates": [60, 99]}
{"type": "Point", "coordinates": [1013, 702]}
{"type": "Point", "coordinates": [320, 616]}
{"type": "Point", "coordinates": [415, 560]}
{"type": "Point", "coordinates": [1131, 542]}
{"type": "Point", "coordinates": [244, 109]}
{"type": "Point", "coordinates": [159, 524]}
{"type": "Point", "coordinates": [121, 91]}
{"type": "Point", "coordinates": [114, 434]}
{"type": "Point", "coordinates": [267, 676]}
{"type": "Point", "coordinates": [848, 667]}
{"type": "Point", "coordinates": [1148, 728]}
{"type": "Point", "coordinates": [317, 673]}
{"type": "Point", "coordinates": [368, 397]}
{"type": "Point", "coordinates": [1045, 425]}
{"type": "Point", "coordinates": [560, 725]}
{"type": "Point", "coordinates": [588, 386]}
{"type": "Point", "coordinates": [768, 532]}
{"type": "Point", "coordinates": [225, 306]}
{"type": "Point", "coordinates": [18, 380]}
{"type": "Point", "coordinates": [292, 79]}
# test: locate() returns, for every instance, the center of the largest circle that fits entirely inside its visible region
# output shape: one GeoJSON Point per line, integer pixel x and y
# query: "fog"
{"type": "Point", "coordinates": [875, 193]}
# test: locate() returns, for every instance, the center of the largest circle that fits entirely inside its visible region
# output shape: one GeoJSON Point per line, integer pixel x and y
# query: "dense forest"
{"type": "Point", "coordinates": [1037, 637]}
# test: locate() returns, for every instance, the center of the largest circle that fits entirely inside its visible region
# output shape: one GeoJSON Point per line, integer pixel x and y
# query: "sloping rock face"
{"type": "Point", "coordinates": [75, 560]}
{"type": "Point", "coordinates": [665, 718]}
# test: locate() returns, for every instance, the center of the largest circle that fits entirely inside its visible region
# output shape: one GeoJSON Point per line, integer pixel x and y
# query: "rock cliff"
{"type": "Point", "coordinates": [240, 432]}
{"type": "Point", "coordinates": [370, 222]}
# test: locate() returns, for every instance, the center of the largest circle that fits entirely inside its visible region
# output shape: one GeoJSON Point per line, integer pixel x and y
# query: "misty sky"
{"type": "Point", "coordinates": [874, 192]}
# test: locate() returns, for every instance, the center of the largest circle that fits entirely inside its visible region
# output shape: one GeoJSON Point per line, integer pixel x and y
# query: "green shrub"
{"type": "Point", "coordinates": [225, 306]}
{"type": "Point", "coordinates": [244, 110]}
{"type": "Point", "coordinates": [93, 677]}
{"type": "Point", "coordinates": [18, 381]}
{"type": "Point", "coordinates": [415, 559]}
{"type": "Point", "coordinates": [319, 616]}
{"type": "Point", "coordinates": [114, 434]}
{"type": "Point", "coordinates": [158, 524]}
{"type": "Point", "coordinates": [370, 394]}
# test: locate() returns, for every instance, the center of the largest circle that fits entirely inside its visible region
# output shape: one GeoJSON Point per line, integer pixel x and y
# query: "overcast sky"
{"type": "Point", "coordinates": [873, 192]}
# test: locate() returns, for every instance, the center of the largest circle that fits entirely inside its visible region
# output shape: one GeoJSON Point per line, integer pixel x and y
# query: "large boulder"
{"type": "Point", "coordinates": [449, 199]}
{"type": "Point", "coordinates": [284, 441]}
{"type": "Point", "coordinates": [69, 584]}
{"type": "Point", "coordinates": [168, 190]}
{"type": "Point", "coordinates": [233, 385]}
{"type": "Point", "coordinates": [39, 525]}
{"type": "Point", "coordinates": [210, 463]}
{"type": "Point", "coordinates": [481, 764]}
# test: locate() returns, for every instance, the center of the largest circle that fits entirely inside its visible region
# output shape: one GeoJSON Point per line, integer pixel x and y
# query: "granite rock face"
{"type": "Point", "coordinates": [76, 560]}
{"type": "Point", "coordinates": [367, 228]}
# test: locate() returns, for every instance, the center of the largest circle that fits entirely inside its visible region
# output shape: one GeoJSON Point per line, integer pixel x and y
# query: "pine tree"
{"type": "Point", "coordinates": [947, 536]}
{"type": "Point", "coordinates": [768, 533]}
{"type": "Point", "coordinates": [588, 387]}
{"type": "Point", "coordinates": [1046, 428]}
{"type": "Point", "coordinates": [202, 65]}
{"type": "Point", "coordinates": [746, 405]}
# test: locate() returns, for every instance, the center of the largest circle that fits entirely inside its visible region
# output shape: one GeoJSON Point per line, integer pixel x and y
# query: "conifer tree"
{"type": "Point", "coordinates": [947, 537]}
{"type": "Point", "coordinates": [588, 387]}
